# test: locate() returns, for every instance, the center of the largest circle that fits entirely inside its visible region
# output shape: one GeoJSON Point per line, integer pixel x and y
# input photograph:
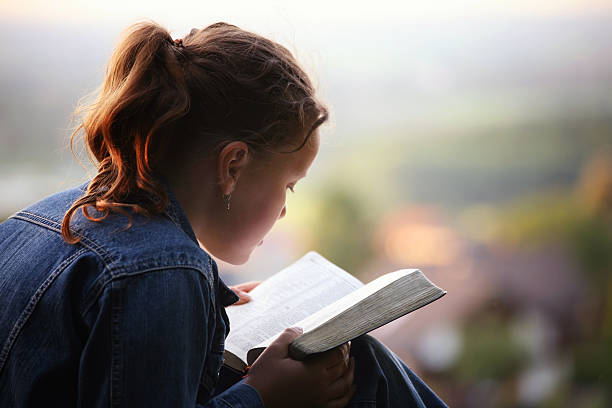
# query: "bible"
{"type": "Point", "coordinates": [329, 304]}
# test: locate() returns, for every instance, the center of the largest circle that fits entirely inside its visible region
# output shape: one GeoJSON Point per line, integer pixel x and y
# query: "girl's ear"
{"type": "Point", "coordinates": [231, 161]}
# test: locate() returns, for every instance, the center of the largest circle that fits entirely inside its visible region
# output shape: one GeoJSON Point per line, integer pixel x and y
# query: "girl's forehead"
{"type": "Point", "coordinates": [306, 155]}
{"type": "Point", "coordinates": [297, 163]}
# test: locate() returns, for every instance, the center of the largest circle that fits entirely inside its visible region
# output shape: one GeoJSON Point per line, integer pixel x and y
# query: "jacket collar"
{"type": "Point", "coordinates": [177, 215]}
{"type": "Point", "coordinates": [175, 212]}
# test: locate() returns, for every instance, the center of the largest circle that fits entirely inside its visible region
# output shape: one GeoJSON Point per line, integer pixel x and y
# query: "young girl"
{"type": "Point", "coordinates": [109, 296]}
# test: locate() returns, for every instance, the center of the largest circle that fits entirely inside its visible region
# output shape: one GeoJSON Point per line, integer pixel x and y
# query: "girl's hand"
{"type": "Point", "coordinates": [242, 290]}
{"type": "Point", "coordinates": [323, 380]}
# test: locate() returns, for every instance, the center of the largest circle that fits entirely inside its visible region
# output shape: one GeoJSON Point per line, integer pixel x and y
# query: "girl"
{"type": "Point", "coordinates": [109, 296]}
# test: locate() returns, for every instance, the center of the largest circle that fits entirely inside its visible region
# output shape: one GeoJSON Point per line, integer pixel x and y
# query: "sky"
{"type": "Point", "coordinates": [177, 14]}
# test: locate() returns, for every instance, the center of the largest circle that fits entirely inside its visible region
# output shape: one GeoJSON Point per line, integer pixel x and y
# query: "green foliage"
{"type": "Point", "coordinates": [341, 231]}
{"type": "Point", "coordinates": [560, 219]}
{"type": "Point", "coordinates": [591, 241]}
{"type": "Point", "coordinates": [458, 168]}
{"type": "Point", "coordinates": [593, 363]}
{"type": "Point", "coordinates": [489, 351]}
{"type": "Point", "coordinates": [541, 218]}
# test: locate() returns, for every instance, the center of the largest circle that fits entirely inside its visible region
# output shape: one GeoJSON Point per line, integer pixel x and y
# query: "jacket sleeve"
{"type": "Point", "coordinates": [147, 344]}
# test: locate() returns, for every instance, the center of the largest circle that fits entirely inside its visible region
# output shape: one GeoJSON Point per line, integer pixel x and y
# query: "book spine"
{"type": "Point", "coordinates": [297, 351]}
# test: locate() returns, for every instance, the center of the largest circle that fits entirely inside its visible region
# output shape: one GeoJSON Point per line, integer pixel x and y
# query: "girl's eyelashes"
{"type": "Point", "coordinates": [291, 188]}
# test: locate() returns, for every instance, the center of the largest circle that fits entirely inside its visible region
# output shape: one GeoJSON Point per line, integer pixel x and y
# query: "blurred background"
{"type": "Point", "coordinates": [470, 139]}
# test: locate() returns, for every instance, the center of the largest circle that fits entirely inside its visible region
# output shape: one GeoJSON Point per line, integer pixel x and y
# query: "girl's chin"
{"type": "Point", "coordinates": [239, 259]}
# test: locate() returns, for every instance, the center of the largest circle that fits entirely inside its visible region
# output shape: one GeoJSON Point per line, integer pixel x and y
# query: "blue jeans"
{"type": "Point", "coordinates": [382, 379]}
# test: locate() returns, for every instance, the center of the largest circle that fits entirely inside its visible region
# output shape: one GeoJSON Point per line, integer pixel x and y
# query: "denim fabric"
{"type": "Point", "coordinates": [381, 378]}
{"type": "Point", "coordinates": [125, 318]}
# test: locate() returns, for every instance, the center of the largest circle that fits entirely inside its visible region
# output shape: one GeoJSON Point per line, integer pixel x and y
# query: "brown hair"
{"type": "Point", "coordinates": [160, 98]}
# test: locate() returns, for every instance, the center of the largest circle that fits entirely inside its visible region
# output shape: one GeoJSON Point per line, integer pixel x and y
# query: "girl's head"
{"type": "Point", "coordinates": [223, 115]}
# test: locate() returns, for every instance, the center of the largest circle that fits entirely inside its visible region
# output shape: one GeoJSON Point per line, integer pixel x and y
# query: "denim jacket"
{"type": "Point", "coordinates": [128, 317]}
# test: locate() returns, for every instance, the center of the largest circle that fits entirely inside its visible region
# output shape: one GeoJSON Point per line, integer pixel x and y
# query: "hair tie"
{"type": "Point", "coordinates": [179, 43]}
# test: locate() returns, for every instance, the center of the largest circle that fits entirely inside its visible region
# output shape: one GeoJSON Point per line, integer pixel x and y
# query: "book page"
{"type": "Point", "coordinates": [314, 320]}
{"type": "Point", "coordinates": [301, 289]}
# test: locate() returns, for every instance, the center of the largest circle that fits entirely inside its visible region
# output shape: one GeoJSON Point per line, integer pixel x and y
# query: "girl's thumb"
{"type": "Point", "coordinates": [287, 336]}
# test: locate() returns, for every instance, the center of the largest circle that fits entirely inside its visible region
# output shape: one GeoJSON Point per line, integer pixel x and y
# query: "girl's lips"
{"type": "Point", "coordinates": [260, 242]}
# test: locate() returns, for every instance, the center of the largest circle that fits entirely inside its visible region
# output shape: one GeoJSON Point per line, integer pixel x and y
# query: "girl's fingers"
{"type": "Point", "coordinates": [242, 290]}
{"type": "Point", "coordinates": [330, 358]}
{"type": "Point", "coordinates": [338, 355]}
{"type": "Point", "coordinates": [247, 286]}
{"type": "Point", "coordinates": [342, 401]}
{"type": "Point", "coordinates": [243, 297]}
{"type": "Point", "coordinates": [343, 385]}
{"type": "Point", "coordinates": [337, 371]}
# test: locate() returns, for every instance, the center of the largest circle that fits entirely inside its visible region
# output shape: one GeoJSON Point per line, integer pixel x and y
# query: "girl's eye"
{"type": "Point", "coordinates": [291, 188]}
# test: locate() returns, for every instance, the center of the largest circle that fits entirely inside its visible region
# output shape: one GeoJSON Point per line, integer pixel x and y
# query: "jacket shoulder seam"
{"type": "Point", "coordinates": [56, 227]}
{"type": "Point", "coordinates": [115, 277]}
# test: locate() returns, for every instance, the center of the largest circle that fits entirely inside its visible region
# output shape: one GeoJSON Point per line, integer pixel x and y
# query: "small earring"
{"type": "Point", "coordinates": [227, 201]}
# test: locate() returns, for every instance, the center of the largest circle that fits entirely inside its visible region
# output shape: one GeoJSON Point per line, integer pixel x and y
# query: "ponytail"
{"type": "Point", "coordinates": [144, 85]}
{"type": "Point", "coordinates": [217, 84]}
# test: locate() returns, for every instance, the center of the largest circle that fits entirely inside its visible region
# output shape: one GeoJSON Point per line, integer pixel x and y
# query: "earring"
{"type": "Point", "coordinates": [227, 201]}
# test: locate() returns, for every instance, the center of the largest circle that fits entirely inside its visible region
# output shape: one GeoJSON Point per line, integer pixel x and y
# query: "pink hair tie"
{"type": "Point", "coordinates": [179, 42]}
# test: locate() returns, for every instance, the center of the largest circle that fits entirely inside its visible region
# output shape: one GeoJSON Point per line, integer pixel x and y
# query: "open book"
{"type": "Point", "coordinates": [330, 305]}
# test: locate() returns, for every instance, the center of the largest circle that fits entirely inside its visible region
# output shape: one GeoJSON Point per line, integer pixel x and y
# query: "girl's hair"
{"type": "Point", "coordinates": [164, 102]}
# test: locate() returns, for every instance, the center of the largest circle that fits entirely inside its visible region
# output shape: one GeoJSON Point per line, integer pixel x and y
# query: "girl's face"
{"type": "Point", "coordinates": [257, 202]}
